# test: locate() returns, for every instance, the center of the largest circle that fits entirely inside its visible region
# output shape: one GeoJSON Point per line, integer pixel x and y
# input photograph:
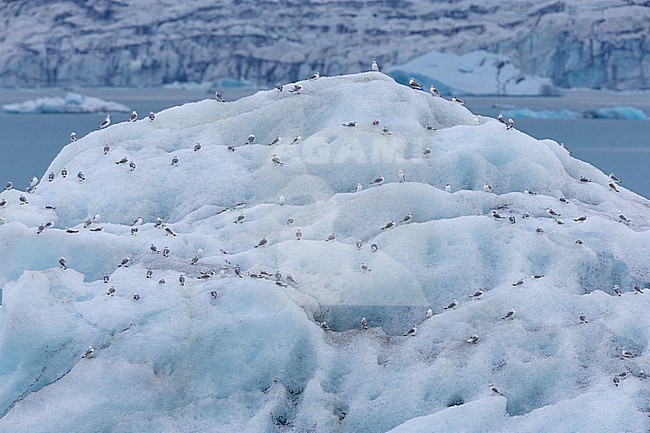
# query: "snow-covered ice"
{"type": "Point", "coordinates": [253, 356]}
{"type": "Point", "coordinates": [71, 103]}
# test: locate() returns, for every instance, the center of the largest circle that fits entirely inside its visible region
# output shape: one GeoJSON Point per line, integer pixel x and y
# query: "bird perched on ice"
{"type": "Point", "coordinates": [509, 315]}
{"type": "Point", "coordinates": [613, 178]}
{"type": "Point", "coordinates": [325, 326]}
{"type": "Point", "coordinates": [213, 294]}
{"type": "Point", "coordinates": [359, 244]}
{"type": "Point", "coordinates": [374, 248]}
{"type": "Point", "coordinates": [122, 161]}
{"type": "Point", "coordinates": [219, 96]}
{"type": "Point", "coordinates": [64, 172]}
{"type": "Point", "coordinates": [197, 147]}
{"type": "Point", "coordinates": [261, 243]}
{"type": "Point", "coordinates": [279, 87]}
{"type": "Point", "coordinates": [330, 237]}
{"type": "Point", "coordinates": [511, 124]}
{"type": "Point", "coordinates": [487, 187]}
{"type": "Point", "coordinates": [63, 263]}
{"type": "Point", "coordinates": [428, 314]}
{"type": "Point", "coordinates": [106, 122]}
{"type": "Point", "coordinates": [282, 200]}
{"type": "Point", "coordinates": [400, 176]}
{"type": "Point", "coordinates": [364, 267]}
{"type": "Point", "coordinates": [452, 305]}
{"type": "Point", "coordinates": [89, 352]}
{"type": "Point", "coordinates": [240, 219]}
{"type": "Point", "coordinates": [169, 232]}
{"type": "Point", "coordinates": [477, 294]}
{"type": "Point", "coordinates": [617, 290]}
{"type": "Point", "coordinates": [276, 141]}
{"type": "Point", "coordinates": [637, 288]}
{"type": "Point", "coordinates": [350, 124]}
{"type": "Point", "coordinates": [623, 218]}
{"type": "Point", "coordinates": [296, 140]}
{"type": "Point", "coordinates": [298, 234]}
{"type": "Point", "coordinates": [276, 160]}
{"type": "Point", "coordinates": [175, 161]}
{"type": "Point", "coordinates": [502, 120]}
{"type": "Point", "coordinates": [181, 280]}
{"type": "Point", "coordinates": [448, 188]}
{"type": "Point", "coordinates": [296, 89]}
{"type": "Point", "coordinates": [73, 136]}
{"type": "Point", "coordinates": [377, 181]}
{"type": "Point", "coordinates": [427, 152]}
{"type": "Point", "coordinates": [107, 149]}
{"type": "Point", "coordinates": [364, 323]}
{"type": "Point", "coordinates": [81, 176]}
{"type": "Point", "coordinates": [434, 91]}
{"type": "Point", "coordinates": [583, 318]}
{"type": "Point", "coordinates": [152, 116]}
{"type": "Point", "coordinates": [613, 187]}
{"type": "Point", "coordinates": [458, 100]}
{"type": "Point", "coordinates": [374, 66]}
{"type": "Point", "coordinates": [314, 76]}
{"type": "Point", "coordinates": [407, 218]}
{"type": "Point", "coordinates": [149, 273]}
{"type": "Point", "coordinates": [250, 139]}
{"type": "Point", "coordinates": [627, 354]}
{"type": "Point", "coordinates": [358, 188]}
{"type": "Point", "coordinates": [106, 278]}
{"type": "Point", "coordinates": [390, 225]}
{"type": "Point", "coordinates": [125, 262]}
{"type": "Point", "coordinates": [473, 339]}
{"type": "Point", "coordinates": [494, 390]}
{"type": "Point", "coordinates": [132, 165]}
{"type": "Point", "coordinates": [23, 199]}
{"type": "Point", "coordinates": [8, 186]}
{"type": "Point", "coordinates": [133, 117]}
{"type": "Point", "coordinates": [414, 84]}
{"type": "Point", "coordinates": [411, 332]}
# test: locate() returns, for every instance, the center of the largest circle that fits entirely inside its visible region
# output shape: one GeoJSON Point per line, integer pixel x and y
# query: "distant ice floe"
{"type": "Point", "coordinates": [72, 103]}
{"type": "Point", "coordinates": [627, 113]}
{"type": "Point", "coordinates": [475, 73]}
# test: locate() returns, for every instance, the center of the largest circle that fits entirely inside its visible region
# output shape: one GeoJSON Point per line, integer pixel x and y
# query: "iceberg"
{"type": "Point", "coordinates": [239, 343]}
{"type": "Point", "coordinates": [627, 113]}
{"type": "Point", "coordinates": [474, 73]}
{"type": "Point", "coordinates": [74, 103]}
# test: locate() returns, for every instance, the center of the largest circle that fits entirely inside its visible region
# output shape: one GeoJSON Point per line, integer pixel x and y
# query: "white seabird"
{"type": "Point", "coordinates": [364, 267]}
{"type": "Point", "coordinates": [358, 188]}
{"type": "Point", "coordinates": [377, 181]}
{"type": "Point", "coordinates": [152, 116]}
{"type": "Point", "coordinates": [63, 263]}
{"type": "Point", "coordinates": [279, 87]}
{"type": "Point", "coordinates": [133, 117]}
{"type": "Point", "coordinates": [161, 281]}
{"type": "Point", "coordinates": [428, 314]}
{"type": "Point", "coordinates": [359, 244]}
{"type": "Point", "coordinates": [261, 243]}
{"type": "Point", "coordinates": [298, 234]}
{"type": "Point", "coordinates": [411, 332]}
{"type": "Point", "coordinates": [219, 96]}
{"type": "Point", "coordinates": [400, 176]}
{"type": "Point", "coordinates": [407, 218]}
{"type": "Point", "coordinates": [213, 294]}
{"type": "Point", "coordinates": [136, 297]}
{"type": "Point", "coordinates": [350, 124]}
{"type": "Point", "coordinates": [325, 326]}
{"type": "Point", "coordinates": [487, 187]}
{"type": "Point", "coordinates": [494, 390]}
{"type": "Point", "coordinates": [502, 120]}
{"type": "Point", "coordinates": [9, 185]}
{"type": "Point", "coordinates": [627, 354]}
{"type": "Point", "coordinates": [390, 225]}
{"type": "Point", "coordinates": [617, 290]}
{"type": "Point", "coordinates": [149, 273]}
{"type": "Point", "coordinates": [637, 288]}
{"type": "Point", "coordinates": [132, 165]}
{"type": "Point", "coordinates": [181, 279]}
{"type": "Point", "coordinates": [175, 160]}
{"type": "Point", "coordinates": [250, 139]}
{"type": "Point", "coordinates": [623, 218]}
{"type": "Point", "coordinates": [106, 278]}
{"type": "Point", "coordinates": [583, 318]}
{"type": "Point", "coordinates": [23, 199]}
{"type": "Point", "coordinates": [282, 200]}
{"type": "Point", "coordinates": [458, 100]}
{"type": "Point", "coordinates": [315, 76]}
{"type": "Point", "coordinates": [107, 149]}
{"type": "Point", "coordinates": [364, 323]}
{"type": "Point", "coordinates": [81, 176]}
{"type": "Point", "coordinates": [73, 136]}
{"type": "Point", "coordinates": [125, 262]}
{"type": "Point", "coordinates": [296, 89]}
{"type": "Point", "coordinates": [427, 152]}
{"type": "Point", "coordinates": [613, 178]}
{"type": "Point", "coordinates": [240, 219]}
{"type": "Point", "coordinates": [106, 122]}
{"type": "Point", "coordinates": [434, 91]}
{"type": "Point", "coordinates": [374, 66]}
{"type": "Point", "coordinates": [124, 160]}
{"type": "Point", "coordinates": [414, 84]}
{"type": "Point", "coordinates": [296, 140]}
{"type": "Point", "coordinates": [290, 222]}
{"type": "Point", "coordinates": [613, 187]}
{"type": "Point", "coordinates": [374, 248]}
{"type": "Point", "coordinates": [276, 141]}
{"type": "Point", "coordinates": [330, 237]}
{"type": "Point", "coordinates": [477, 294]}
{"type": "Point", "coordinates": [197, 147]}
{"type": "Point", "coordinates": [169, 232]}
{"type": "Point", "coordinates": [448, 188]}
{"type": "Point", "coordinates": [111, 291]}
{"type": "Point", "coordinates": [511, 124]}
{"type": "Point", "coordinates": [473, 339]}
{"type": "Point", "coordinates": [64, 172]}
{"type": "Point", "coordinates": [89, 352]}
{"type": "Point", "coordinates": [452, 305]}
{"type": "Point", "coordinates": [509, 315]}
{"type": "Point", "coordinates": [276, 160]}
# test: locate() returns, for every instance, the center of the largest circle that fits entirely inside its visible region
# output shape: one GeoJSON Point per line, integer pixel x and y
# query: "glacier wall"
{"type": "Point", "coordinates": [582, 43]}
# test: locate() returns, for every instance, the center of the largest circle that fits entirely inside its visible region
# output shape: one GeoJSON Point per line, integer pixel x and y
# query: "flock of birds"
{"type": "Point", "coordinates": [227, 269]}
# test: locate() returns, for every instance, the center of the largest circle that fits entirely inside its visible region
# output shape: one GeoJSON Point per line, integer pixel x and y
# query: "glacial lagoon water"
{"type": "Point", "coordinates": [29, 142]}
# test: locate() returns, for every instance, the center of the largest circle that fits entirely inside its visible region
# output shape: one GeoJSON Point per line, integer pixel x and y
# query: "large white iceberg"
{"type": "Point", "coordinates": [72, 103]}
{"type": "Point", "coordinates": [256, 358]}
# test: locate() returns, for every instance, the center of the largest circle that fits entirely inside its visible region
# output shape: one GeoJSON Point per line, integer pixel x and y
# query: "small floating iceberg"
{"type": "Point", "coordinates": [72, 103]}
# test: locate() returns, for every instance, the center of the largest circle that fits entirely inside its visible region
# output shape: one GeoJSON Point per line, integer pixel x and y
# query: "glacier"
{"type": "Point", "coordinates": [59, 43]}
{"type": "Point", "coordinates": [73, 103]}
{"type": "Point", "coordinates": [253, 356]}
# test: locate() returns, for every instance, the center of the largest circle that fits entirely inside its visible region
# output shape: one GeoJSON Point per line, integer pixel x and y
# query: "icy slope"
{"type": "Point", "coordinates": [578, 43]}
{"type": "Point", "coordinates": [255, 358]}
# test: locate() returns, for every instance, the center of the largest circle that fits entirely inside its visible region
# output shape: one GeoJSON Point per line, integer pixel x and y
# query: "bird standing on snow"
{"type": "Point", "coordinates": [364, 323]}
{"type": "Point", "coordinates": [106, 122]}
{"type": "Point", "coordinates": [473, 339]}
{"type": "Point", "coordinates": [151, 116]}
{"type": "Point", "coordinates": [132, 165]}
{"type": "Point", "coordinates": [298, 234]}
{"type": "Point", "coordinates": [64, 172]}
{"type": "Point", "coordinates": [197, 147]}
{"type": "Point", "coordinates": [107, 149]}
{"type": "Point", "coordinates": [282, 200]}
{"type": "Point", "coordinates": [583, 318]}
{"type": "Point", "coordinates": [133, 117]}
{"type": "Point", "coordinates": [81, 176]}
{"type": "Point", "coordinates": [276, 141]}
{"type": "Point", "coordinates": [73, 136]}
{"type": "Point", "coordinates": [411, 332]}
{"type": "Point", "coordinates": [452, 305]}
{"type": "Point", "coordinates": [358, 188]}
{"type": "Point", "coordinates": [261, 243]}
{"type": "Point", "coordinates": [296, 89]}
{"type": "Point", "coordinates": [448, 188]}
{"type": "Point", "coordinates": [428, 314]}
{"type": "Point", "coordinates": [364, 267]}
{"type": "Point", "coordinates": [175, 160]}
{"type": "Point", "coordinates": [181, 280]}
{"type": "Point", "coordinates": [374, 66]}
{"type": "Point", "coordinates": [511, 124]}
{"type": "Point", "coordinates": [613, 187]}
{"type": "Point", "coordinates": [377, 181]}
{"type": "Point", "coordinates": [623, 218]}
{"type": "Point", "coordinates": [407, 218]}
{"type": "Point", "coordinates": [250, 139]}
{"type": "Point", "coordinates": [427, 152]}
{"type": "Point", "coordinates": [279, 87]}
{"type": "Point", "coordinates": [502, 120]}
{"type": "Point", "coordinates": [434, 91]}
{"type": "Point", "coordinates": [400, 176]}
{"type": "Point", "coordinates": [414, 84]}
{"type": "Point", "coordinates": [63, 263]}
{"type": "Point", "coordinates": [219, 96]}
{"type": "Point", "coordinates": [390, 225]}
{"type": "Point", "coordinates": [89, 352]}
{"type": "Point", "coordinates": [613, 178]}
{"type": "Point", "coordinates": [509, 315]}
{"type": "Point", "coordinates": [125, 262]}
{"type": "Point", "coordinates": [276, 160]}
{"type": "Point", "coordinates": [315, 76]}
{"type": "Point", "coordinates": [487, 187]}
{"type": "Point", "coordinates": [374, 248]}
{"type": "Point", "coordinates": [458, 100]}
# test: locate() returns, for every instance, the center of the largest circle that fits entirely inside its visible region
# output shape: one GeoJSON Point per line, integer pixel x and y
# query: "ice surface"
{"type": "Point", "coordinates": [475, 73]}
{"type": "Point", "coordinates": [71, 103]}
{"type": "Point", "coordinates": [256, 359]}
